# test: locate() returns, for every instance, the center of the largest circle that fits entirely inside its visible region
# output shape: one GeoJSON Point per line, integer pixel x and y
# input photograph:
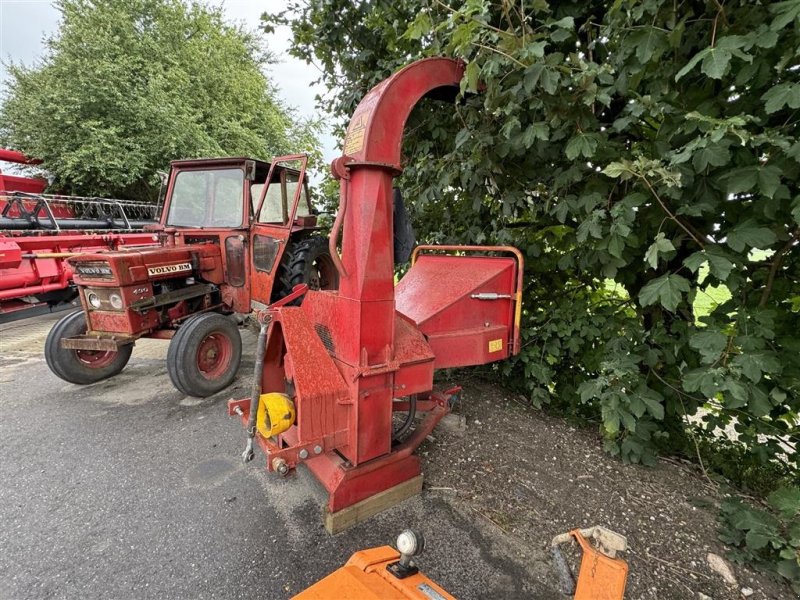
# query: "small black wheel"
{"type": "Point", "coordinates": [204, 355]}
{"type": "Point", "coordinates": [307, 261]}
{"type": "Point", "coordinates": [81, 366]}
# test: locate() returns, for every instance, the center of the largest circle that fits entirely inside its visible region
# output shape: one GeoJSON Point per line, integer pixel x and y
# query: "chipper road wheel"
{"type": "Point", "coordinates": [308, 261]}
{"type": "Point", "coordinates": [204, 355]}
{"type": "Point", "coordinates": [81, 366]}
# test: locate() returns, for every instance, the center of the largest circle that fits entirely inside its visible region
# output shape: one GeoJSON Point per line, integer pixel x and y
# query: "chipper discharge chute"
{"type": "Point", "coordinates": [352, 363]}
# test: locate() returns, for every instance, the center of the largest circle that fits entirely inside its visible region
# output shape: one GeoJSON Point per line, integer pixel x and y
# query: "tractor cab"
{"type": "Point", "coordinates": [226, 193]}
{"type": "Point", "coordinates": [211, 193]}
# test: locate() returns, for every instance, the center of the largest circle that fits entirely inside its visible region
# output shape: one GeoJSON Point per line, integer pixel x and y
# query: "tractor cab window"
{"type": "Point", "coordinates": [207, 199]}
{"type": "Point", "coordinates": [277, 205]}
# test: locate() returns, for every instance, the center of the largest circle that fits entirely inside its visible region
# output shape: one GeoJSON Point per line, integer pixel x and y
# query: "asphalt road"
{"type": "Point", "coordinates": [128, 489]}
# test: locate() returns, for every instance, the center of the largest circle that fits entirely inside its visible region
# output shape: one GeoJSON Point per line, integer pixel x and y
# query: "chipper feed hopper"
{"type": "Point", "coordinates": [335, 375]}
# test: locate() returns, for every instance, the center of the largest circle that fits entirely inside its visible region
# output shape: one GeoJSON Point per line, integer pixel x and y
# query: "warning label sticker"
{"type": "Point", "coordinates": [495, 345]}
{"type": "Point", "coordinates": [354, 141]}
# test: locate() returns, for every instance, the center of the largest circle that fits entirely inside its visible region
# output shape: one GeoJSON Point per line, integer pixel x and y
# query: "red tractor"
{"type": "Point", "coordinates": [234, 234]}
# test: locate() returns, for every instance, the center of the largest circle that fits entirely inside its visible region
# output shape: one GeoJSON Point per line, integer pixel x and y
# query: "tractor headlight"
{"type": "Point", "coordinates": [94, 300]}
{"type": "Point", "coordinates": [116, 301]}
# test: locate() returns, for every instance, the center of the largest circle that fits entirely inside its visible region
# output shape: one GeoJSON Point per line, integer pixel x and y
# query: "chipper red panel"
{"type": "Point", "coordinates": [464, 305]}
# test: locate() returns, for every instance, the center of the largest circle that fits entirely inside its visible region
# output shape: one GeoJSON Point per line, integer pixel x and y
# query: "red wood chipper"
{"type": "Point", "coordinates": [333, 375]}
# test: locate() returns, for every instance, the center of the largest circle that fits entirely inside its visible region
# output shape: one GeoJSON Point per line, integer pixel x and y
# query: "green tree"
{"type": "Point", "coordinates": [128, 85]}
{"type": "Point", "coordinates": [644, 156]}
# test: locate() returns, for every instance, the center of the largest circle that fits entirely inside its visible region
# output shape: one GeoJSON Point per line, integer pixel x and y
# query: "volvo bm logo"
{"type": "Point", "coordinates": [167, 269]}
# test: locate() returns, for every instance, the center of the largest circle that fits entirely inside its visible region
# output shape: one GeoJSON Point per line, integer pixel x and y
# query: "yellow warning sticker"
{"type": "Point", "coordinates": [495, 345]}
{"type": "Point", "coordinates": [354, 141]}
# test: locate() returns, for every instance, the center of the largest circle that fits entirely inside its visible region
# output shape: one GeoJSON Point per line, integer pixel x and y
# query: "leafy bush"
{"type": "Point", "coordinates": [642, 154]}
{"type": "Point", "coordinates": [767, 539]}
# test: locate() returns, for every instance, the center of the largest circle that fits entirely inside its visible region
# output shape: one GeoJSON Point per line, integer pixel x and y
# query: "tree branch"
{"type": "Point", "coordinates": [680, 223]}
{"type": "Point", "coordinates": [777, 260]}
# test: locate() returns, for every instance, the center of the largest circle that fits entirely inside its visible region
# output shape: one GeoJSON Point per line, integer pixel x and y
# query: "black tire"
{"type": "Point", "coordinates": [204, 355]}
{"type": "Point", "coordinates": [81, 366]}
{"type": "Point", "coordinates": [307, 261]}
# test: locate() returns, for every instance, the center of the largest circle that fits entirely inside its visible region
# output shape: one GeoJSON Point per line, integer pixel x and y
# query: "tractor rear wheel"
{"type": "Point", "coordinates": [204, 355]}
{"type": "Point", "coordinates": [307, 261]}
{"type": "Point", "coordinates": [81, 366]}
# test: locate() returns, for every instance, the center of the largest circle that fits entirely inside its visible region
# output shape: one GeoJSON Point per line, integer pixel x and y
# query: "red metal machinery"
{"type": "Point", "coordinates": [39, 232]}
{"type": "Point", "coordinates": [14, 183]}
{"type": "Point", "coordinates": [337, 369]}
{"type": "Point", "coordinates": [227, 242]}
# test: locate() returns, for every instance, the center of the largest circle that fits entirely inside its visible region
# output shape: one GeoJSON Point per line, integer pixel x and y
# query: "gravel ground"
{"type": "Point", "coordinates": [127, 489]}
{"type": "Point", "coordinates": [534, 476]}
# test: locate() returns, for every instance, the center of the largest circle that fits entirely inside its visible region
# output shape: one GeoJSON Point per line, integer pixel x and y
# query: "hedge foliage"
{"type": "Point", "coordinates": [644, 155]}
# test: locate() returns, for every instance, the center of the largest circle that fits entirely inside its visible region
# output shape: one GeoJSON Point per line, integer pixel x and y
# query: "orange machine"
{"type": "Point", "coordinates": [602, 575]}
{"type": "Point", "coordinates": [388, 574]}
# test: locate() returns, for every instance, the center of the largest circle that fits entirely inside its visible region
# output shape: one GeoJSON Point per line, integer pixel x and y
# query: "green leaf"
{"type": "Point", "coordinates": [661, 246]}
{"type": "Point", "coordinates": [742, 179]}
{"type": "Point", "coordinates": [549, 80]}
{"type": "Point", "coordinates": [769, 178]}
{"type": "Point", "coordinates": [462, 136]}
{"type": "Point", "coordinates": [616, 244]}
{"type": "Point", "coordinates": [789, 569]}
{"type": "Point", "coordinates": [565, 23]}
{"type": "Point", "coordinates": [648, 41]}
{"type": "Point", "coordinates": [536, 50]}
{"type": "Point", "coordinates": [738, 395]}
{"type": "Point", "coordinates": [654, 406]}
{"type": "Point", "coordinates": [715, 63]}
{"type": "Point", "coordinates": [532, 75]}
{"type": "Point", "coordinates": [719, 264]}
{"type": "Point", "coordinates": [700, 380]}
{"type": "Point", "coordinates": [471, 75]}
{"type": "Point", "coordinates": [709, 344]}
{"type": "Point", "coordinates": [786, 500]}
{"type": "Point", "coordinates": [750, 233]}
{"type": "Point", "coordinates": [750, 366]}
{"type": "Point", "coordinates": [759, 404]}
{"type": "Point", "coordinates": [796, 209]}
{"type": "Point", "coordinates": [756, 539]}
{"type": "Point", "coordinates": [539, 74]}
{"type": "Point", "coordinates": [715, 155]}
{"type": "Point", "coordinates": [692, 63]}
{"type": "Point", "coordinates": [753, 364]}
{"type": "Point", "coordinates": [581, 145]}
{"type": "Point", "coordinates": [615, 169]}
{"type": "Point", "coordinates": [666, 289]}
{"type": "Point", "coordinates": [747, 519]}
{"type": "Point", "coordinates": [535, 131]}
{"type": "Point", "coordinates": [420, 26]}
{"type": "Point", "coordinates": [785, 12]}
{"type": "Point", "coordinates": [783, 94]}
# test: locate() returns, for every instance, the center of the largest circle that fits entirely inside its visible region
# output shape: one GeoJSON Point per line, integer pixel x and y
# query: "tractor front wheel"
{"type": "Point", "coordinates": [81, 366]}
{"type": "Point", "coordinates": [204, 355]}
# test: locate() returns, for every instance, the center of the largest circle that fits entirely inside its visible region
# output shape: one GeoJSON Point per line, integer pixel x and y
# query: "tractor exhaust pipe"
{"type": "Point", "coordinates": [255, 393]}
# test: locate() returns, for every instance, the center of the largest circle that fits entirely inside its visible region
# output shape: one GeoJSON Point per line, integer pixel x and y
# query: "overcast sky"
{"type": "Point", "coordinates": [25, 23]}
